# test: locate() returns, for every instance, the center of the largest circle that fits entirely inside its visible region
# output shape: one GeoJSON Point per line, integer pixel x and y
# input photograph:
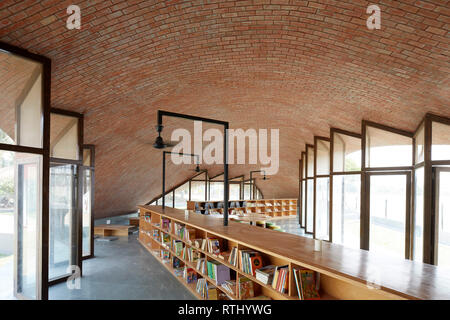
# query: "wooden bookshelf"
{"type": "Point", "coordinates": [344, 273]}
{"type": "Point", "coordinates": [270, 207]}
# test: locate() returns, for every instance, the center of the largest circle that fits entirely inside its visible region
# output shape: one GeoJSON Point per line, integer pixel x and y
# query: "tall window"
{"type": "Point", "coordinates": [66, 187]}
{"type": "Point", "coordinates": [388, 157]}
{"type": "Point", "coordinates": [309, 222]}
{"type": "Point", "coordinates": [322, 188]}
{"type": "Point", "coordinates": [24, 174]}
{"type": "Point", "coordinates": [346, 188]}
{"type": "Point", "coordinates": [182, 196]}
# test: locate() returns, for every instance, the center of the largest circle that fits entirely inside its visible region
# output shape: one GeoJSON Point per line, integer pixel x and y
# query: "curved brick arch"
{"type": "Point", "coordinates": [301, 66]}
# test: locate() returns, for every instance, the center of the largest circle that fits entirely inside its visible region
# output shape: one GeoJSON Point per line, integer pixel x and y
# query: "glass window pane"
{"type": "Point", "coordinates": [168, 199]}
{"type": "Point", "coordinates": [235, 190]}
{"type": "Point", "coordinates": [247, 192]}
{"type": "Point", "coordinates": [346, 153]}
{"type": "Point", "coordinates": [440, 150]}
{"type": "Point", "coordinates": [387, 149]}
{"type": "Point", "coordinates": [216, 191]}
{"type": "Point", "coordinates": [64, 137]}
{"type": "Point", "coordinates": [418, 213]}
{"type": "Point", "coordinates": [322, 208]}
{"type": "Point", "coordinates": [87, 207]}
{"type": "Point", "coordinates": [310, 159]}
{"type": "Point", "coordinates": [182, 196]}
{"type": "Point", "coordinates": [303, 203]}
{"type": "Point", "coordinates": [198, 191]}
{"type": "Point", "coordinates": [323, 157]}
{"type": "Point", "coordinates": [309, 206]}
{"type": "Point", "coordinates": [346, 210]}
{"type": "Point", "coordinates": [63, 205]}
{"type": "Point", "coordinates": [420, 144]}
{"type": "Point", "coordinates": [388, 214]}
{"type": "Point", "coordinates": [444, 219]}
{"type": "Point", "coordinates": [20, 101]}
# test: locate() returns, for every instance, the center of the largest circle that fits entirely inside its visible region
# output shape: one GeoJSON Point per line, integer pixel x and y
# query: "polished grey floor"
{"type": "Point", "coordinates": [122, 270]}
{"type": "Point", "coordinates": [291, 225]}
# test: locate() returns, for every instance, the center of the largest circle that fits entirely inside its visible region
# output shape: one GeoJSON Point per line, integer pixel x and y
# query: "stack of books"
{"type": "Point", "coordinates": [265, 274]}
{"type": "Point", "coordinates": [307, 283]}
{"type": "Point", "coordinates": [155, 234]}
{"type": "Point", "coordinates": [190, 254]}
{"type": "Point", "coordinates": [202, 288]}
{"type": "Point", "coordinates": [250, 261]}
{"type": "Point", "coordinates": [218, 272]}
{"type": "Point", "coordinates": [232, 259]}
{"type": "Point", "coordinates": [176, 263]}
{"type": "Point", "coordinates": [281, 279]}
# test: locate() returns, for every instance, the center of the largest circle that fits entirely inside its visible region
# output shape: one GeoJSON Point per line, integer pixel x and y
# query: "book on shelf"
{"type": "Point", "coordinates": [177, 247]}
{"type": "Point", "coordinates": [189, 275]}
{"type": "Point", "coordinates": [218, 272]}
{"type": "Point", "coordinates": [232, 259]}
{"type": "Point", "coordinates": [156, 234]}
{"type": "Point", "coordinates": [203, 244]}
{"type": "Point", "coordinates": [306, 284]}
{"type": "Point", "coordinates": [165, 224]}
{"type": "Point", "coordinates": [197, 243]}
{"type": "Point", "coordinates": [201, 265]}
{"type": "Point", "coordinates": [229, 286]}
{"type": "Point", "coordinates": [214, 246]}
{"type": "Point", "coordinates": [178, 271]}
{"type": "Point", "coordinates": [202, 288]}
{"type": "Point", "coordinates": [281, 279]}
{"type": "Point", "coordinates": [250, 261]}
{"type": "Point", "coordinates": [189, 234]}
{"type": "Point", "coordinates": [246, 288]}
{"type": "Point", "coordinates": [176, 263]}
{"type": "Point", "coordinates": [179, 230]}
{"type": "Point", "coordinates": [265, 274]}
{"type": "Point", "coordinates": [165, 255]}
{"type": "Point", "coordinates": [190, 254]}
{"type": "Point", "coordinates": [165, 240]}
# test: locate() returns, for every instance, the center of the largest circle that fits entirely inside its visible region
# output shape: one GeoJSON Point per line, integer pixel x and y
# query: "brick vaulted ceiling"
{"type": "Point", "coordinates": [301, 66]}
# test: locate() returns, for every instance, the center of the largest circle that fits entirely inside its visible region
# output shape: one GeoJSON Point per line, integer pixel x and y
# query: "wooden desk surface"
{"type": "Point", "coordinates": [409, 279]}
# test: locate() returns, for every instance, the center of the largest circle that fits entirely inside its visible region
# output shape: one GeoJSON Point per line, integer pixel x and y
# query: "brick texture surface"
{"type": "Point", "coordinates": [301, 66]}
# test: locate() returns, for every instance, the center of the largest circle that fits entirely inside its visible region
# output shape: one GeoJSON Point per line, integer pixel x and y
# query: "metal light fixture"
{"type": "Point", "coordinates": [159, 142]}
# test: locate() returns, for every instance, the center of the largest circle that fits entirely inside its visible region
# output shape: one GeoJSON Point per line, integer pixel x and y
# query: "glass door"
{"type": "Point", "coordinates": [389, 195]}
{"type": "Point", "coordinates": [443, 216]}
{"type": "Point", "coordinates": [27, 271]}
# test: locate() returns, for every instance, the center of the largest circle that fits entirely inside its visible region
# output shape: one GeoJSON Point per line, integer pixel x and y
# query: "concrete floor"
{"type": "Point", "coordinates": [123, 270]}
{"type": "Point", "coordinates": [291, 225]}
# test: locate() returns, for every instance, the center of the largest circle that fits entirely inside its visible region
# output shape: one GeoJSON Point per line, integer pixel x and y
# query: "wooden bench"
{"type": "Point", "coordinates": [107, 230]}
{"type": "Point", "coordinates": [134, 222]}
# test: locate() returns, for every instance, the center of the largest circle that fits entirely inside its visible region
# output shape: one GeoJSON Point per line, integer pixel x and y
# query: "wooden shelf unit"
{"type": "Point", "coordinates": [270, 207]}
{"type": "Point", "coordinates": [344, 273]}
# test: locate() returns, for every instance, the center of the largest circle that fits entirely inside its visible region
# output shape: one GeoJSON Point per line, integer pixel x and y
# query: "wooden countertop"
{"type": "Point", "coordinates": [405, 278]}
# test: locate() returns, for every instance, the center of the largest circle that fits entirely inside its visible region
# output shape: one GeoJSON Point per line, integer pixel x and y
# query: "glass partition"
{"type": "Point", "coordinates": [215, 191]}
{"type": "Point", "coordinates": [235, 191]}
{"type": "Point", "coordinates": [168, 199]}
{"type": "Point", "coordinates": [322, 208]}
{"type": "Point", "coordinates": [247, 191]}
{"type": "Point", "coordinates": [323, 157]}
{"type": "Point", "coordinates": [443, 216]}
{"type": "Point", "coordinates": [388, 213]}
{"type": "Point", "coordinates": [309, 206]}
{"type": "Point", "coordinates": [87, 210]}
{"type": "Point", "coordinates": [440, 148]}
{"type": "Point", "coordinates": [346, 210]}
{"type": "Point", "coordinates": [198, 189]}
{"type": "Point", "coordinates": [419, 154]}
{"type": "Point", "coordinates": [182, 196]}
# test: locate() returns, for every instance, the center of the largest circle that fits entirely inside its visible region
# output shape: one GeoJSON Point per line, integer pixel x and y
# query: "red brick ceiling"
{"type": "Point", "coordinates": [301, 66]}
